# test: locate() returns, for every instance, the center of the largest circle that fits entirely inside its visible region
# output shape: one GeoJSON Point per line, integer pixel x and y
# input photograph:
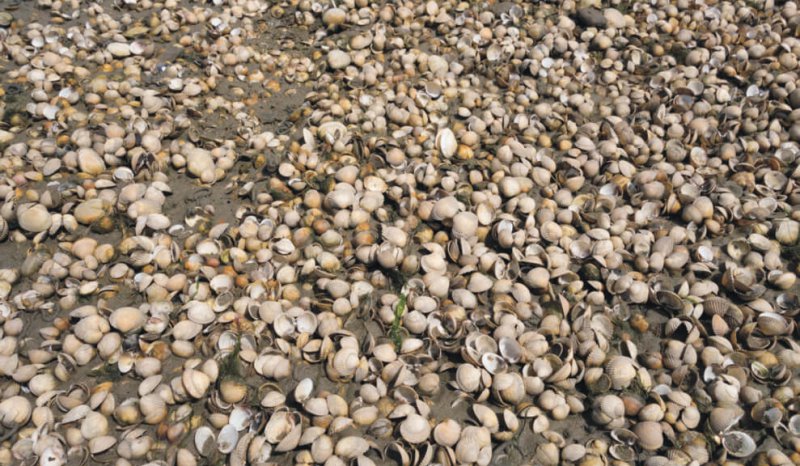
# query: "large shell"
{"type": "Point", "coordinates": [351, 447]}
{"type": "Point", "coordinates": [621, 371]}
{"type": "Point", "coordinates": [738, 444]}
{"type": "Point", "coordinates": [415, 429]}
{"type": "Point", "coordinates": [447, 433]}
{"type": "Point", "coordinates": [195, 383]}
{"type": "Point", "coordinates": [227, 439]}
{"type": "Point", "coordinates": [204, 440]}
{"type": "Point", "coordinates": [773, 324]}
{"type": "Point", "coordinates": [650, 435]}
{"type": "Point", "coordinates": [723, 418]}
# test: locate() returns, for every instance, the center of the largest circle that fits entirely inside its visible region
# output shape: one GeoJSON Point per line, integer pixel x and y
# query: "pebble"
{"type": "Point", "coordinates": [591, 17]}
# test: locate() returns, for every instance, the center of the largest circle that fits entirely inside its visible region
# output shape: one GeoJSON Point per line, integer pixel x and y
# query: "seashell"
{"type": "Point", "coordinates": [445, 208]}
{"type": "Point", "coordinates": [127, 319]}
{"type": "Point", "coordinates": [621, 371]}
{"type": "Point", "coordinates": [204, 441]}
{"type": "Point", "coordinates": [227, 439]}
{"type": "Point", "coordinates": [186, 330]}
{"type": "Point", "coordinates": [510, 349]}
{"type": "Point", "coordinates": [738, 248]}
{"type": "Point", "coordinates": [200, 313]}
{"type": "Point", "coordinates": [303, 390]}
{"type": "Point", "coordinates": [119, 49]}
{"type": "Point", "coordinates": [794, 424]}
{"type": "Point", "coordinates": [465, 225]}
{"type": "Point", "coordinates": [422, 163]}
{"type": "Point", "coordinates": [772, 324]}
{"type": "Point", "coordinates": [94, 425]}
{"type": "Point", "coordinates": [447, 433]}
{"type": "Point", "coordinates": [99, 445]}
{"type": "Point", "coordinates": [232, 391]}
{"type": "Point", "coordinates": [479, 283]}
{"type": "Point", "coordinates": [415, 429]}
{"type": "Point", "coordinates": [351, 447]}
{"type": "Point", "coordinates": [195, 383]}
{"type": "Point", "coordinates": [716, 306]}
{"type": "Point", "coordinates": [767, 412]}
{"type": "Point", "coordinates": [494, 363]}
{"type": "Point", "coordinates": [650, 435]}
{"type": "Point", "coordinates": [338, 59]}
{"type": "Point", "coordinates": [153, 408]}
{"type": "Point", "coordinates": [468, 377]}
{"type": "Point", "coordinates": [722, 418]}
{"type": "Point", "coordinates": [240, 418]}
{"type": "Point", "coordinates": [738, 444]}
{"type": "Point", "coordinates": [669, 300]}
{"type": "Point", "coordinates": [787, 232]}
{"type": "Point", "coordinates": [446, 142]}
{"type": "Point", "coordinates": [345, 361]}
{"type": "Point", "coordinates": [622, 452]}
{"type": "Point", "coordinates": [15, 411]}
{"type": "Point", "coordinates": [608, 410]}
{"type": "Point", "coordinates": [34, 218]}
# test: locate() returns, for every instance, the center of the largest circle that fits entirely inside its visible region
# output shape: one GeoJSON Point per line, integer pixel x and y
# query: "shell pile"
{"type": "Point", "coordinates": [253, 232]}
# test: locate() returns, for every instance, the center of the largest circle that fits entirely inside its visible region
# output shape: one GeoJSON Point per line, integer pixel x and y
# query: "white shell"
{"type": "Point", "coordinates": [415, 429]}
{"type": "Point", "coordinates": [446, 142]}
{"type": "Point", "coordinates": [227, 438]}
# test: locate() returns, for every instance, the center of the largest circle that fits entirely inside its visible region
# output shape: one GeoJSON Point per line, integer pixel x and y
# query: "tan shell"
{"type": "Point", "coordinates": [15, 411]}
{"type": "Point", "coordinates": [608, 409]}
{"type": "Point", "coordinates": [101, 444]}
{"type": "Point", "coordinates": [34, 218]}
{"type": "Point", "coordinates": [651, 436]}
{"type": "Point", "coordinates": [195, 383]}
{"type": "Point", "coordinates": [621, 371]}
{"type": "Point", "coordinates": [773, 324]}
{"type": "Point", "coordinates": [351, 447]}
{"type": "Point", "coordinates": [153, 408]}
{"type": "Point", "coordinates": [127, 319]}
{"type": "Point", "coordinates": [447, 433]}
{"type": "Point", "coordinates": [94, 425]}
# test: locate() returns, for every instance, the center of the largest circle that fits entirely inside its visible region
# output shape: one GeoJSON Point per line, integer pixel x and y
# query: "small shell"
{"type": "Point", "coordinates": [446, 142]}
